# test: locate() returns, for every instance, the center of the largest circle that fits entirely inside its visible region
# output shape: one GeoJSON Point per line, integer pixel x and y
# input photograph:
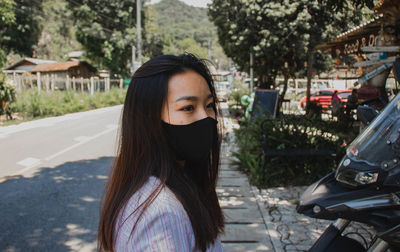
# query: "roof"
{"type": "Point", "coordinates": [366, 34]}
{"type": "Point", "coordinates": [33, 61]}
{"type": "Point", "coordinates": [386, 4]}
{"type": "Point", "coordinates": [75, 54]}
{"type": "Point", "coordinates": [40, 61]}
{"type": "Point", "coordinates": [350, 37]}
{"type": "Point", "coordinates": [60, 66]}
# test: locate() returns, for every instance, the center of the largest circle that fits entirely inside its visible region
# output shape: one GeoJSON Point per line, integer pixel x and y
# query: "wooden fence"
{"type": "Point", "coordinates": [51, 82]}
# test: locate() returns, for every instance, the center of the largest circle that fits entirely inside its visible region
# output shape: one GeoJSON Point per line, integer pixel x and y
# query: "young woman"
{"type": "Point", "coordinates": [161, 193]}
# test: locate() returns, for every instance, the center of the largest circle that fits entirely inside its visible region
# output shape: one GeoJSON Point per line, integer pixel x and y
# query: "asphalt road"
{"type": "Point", "coordinates": [52, 176]}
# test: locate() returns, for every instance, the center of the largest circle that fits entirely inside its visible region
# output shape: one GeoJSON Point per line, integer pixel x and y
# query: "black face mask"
{"type": "Point", "coordinates": [192, 142]}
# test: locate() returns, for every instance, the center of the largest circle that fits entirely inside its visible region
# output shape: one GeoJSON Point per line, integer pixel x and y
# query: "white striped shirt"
{"type": "Point", "coordinates": [164, 225]}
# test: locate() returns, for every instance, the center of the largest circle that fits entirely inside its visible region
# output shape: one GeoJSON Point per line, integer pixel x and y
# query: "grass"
{"type": "Point", "coordinates": [29, 105]}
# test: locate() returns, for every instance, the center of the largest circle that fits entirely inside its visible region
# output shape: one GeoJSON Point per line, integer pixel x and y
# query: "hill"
{"type": "Point", "coordinates": [179, 21]}
{"type": "Point", "coordinates": [187, 28]}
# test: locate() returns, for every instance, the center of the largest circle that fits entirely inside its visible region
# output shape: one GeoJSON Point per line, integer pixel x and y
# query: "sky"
{"type": "Point", "coordinates": [197, 3]}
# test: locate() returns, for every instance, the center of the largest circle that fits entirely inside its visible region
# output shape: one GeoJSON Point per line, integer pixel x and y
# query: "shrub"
{"type": "Point", "coordinates": [289, 134]}
{"type": "Point", "coordinates": [30, 104]}
{"type": "Point", "coordinates": [236, 108]}
{"type": "Point", "coordinates": [7, 95]}
{"type": "Point", "coordinates": [238, 90]}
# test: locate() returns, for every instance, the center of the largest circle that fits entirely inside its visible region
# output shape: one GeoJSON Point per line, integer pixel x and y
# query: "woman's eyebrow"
{"type": "Point", "coordinates": [187, 98]}
{"type": "Point", "coordinates": [191, 98]}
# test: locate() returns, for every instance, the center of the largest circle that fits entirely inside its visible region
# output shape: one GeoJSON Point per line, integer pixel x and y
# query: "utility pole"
{"type": "Point", "coordinates": [134, 65]}
{"type": "Point", "coordinates": [209, 48]}
{"type": "Point", "coordinates": [133, 55]}
{"type": "Point", "coordinates": [139, 31]}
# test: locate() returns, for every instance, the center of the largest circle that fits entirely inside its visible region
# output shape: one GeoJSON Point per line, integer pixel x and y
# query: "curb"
{"type": "Point", "coordinates": [271, 232]}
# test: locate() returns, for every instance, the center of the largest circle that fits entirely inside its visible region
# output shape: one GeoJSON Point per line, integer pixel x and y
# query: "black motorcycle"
{"type": "Point", "coordinates": [365, 188]}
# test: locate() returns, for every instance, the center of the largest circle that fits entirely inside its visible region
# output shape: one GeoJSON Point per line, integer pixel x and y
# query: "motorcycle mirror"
{"type": "Point", "coordinates": [366, 113]}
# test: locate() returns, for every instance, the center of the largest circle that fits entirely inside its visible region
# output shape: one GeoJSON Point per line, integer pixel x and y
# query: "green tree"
{"type": "Point", "coordinates": [20, 29]}
{"type": "Point", "coordinates": [280, 34]}
{"type": "Point", "coordinates": [187, 28]}
{"type": "Point", "coordinates": [153, 43]}
{"type": "Point", "coordinates": [6, 13]}
{"type": "Point", "coordinates": [328, 18]}
{"type": "Point", "coordinates": [181, 21]}
{"type": "Point", "coordinates": [7, 18]}
{"type": "Point", "coordinates": [189, 45]}
{"type": "Point", "coordinates": [58, 32]}
{"type": "Point", "coordinates": [107, 31]}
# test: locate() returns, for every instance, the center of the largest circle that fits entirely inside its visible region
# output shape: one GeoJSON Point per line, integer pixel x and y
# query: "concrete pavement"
{"type": "Point", "coordinates": [52, 175]}
{"type": "Point", "coordinates": [245, 228]}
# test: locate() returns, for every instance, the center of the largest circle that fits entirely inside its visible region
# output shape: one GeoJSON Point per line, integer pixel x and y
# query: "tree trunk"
{"type": "Point", "coordinates": [309, 77]}
{"type": "Point", "coordinates": [266, 82]}
{"type": "Point", "coordinates": [4, 105]}
{"type": "Point", "coordinates": [282, 94]}
{"type": "Point", "coordinates": [285, 87]}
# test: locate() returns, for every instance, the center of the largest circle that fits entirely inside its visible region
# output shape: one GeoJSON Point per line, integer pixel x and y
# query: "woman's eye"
{"type": "Point", "coordinates": [211, 105]}
{"type": "Point", "coordinates": [188, 108]}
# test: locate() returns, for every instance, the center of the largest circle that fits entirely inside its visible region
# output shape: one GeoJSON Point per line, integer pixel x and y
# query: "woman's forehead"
{"type": "Point", "coordinates": [188, 84]}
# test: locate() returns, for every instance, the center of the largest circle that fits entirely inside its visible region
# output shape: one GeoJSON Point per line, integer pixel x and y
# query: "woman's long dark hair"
{"type": "Point", "coordinates": [144, 152]}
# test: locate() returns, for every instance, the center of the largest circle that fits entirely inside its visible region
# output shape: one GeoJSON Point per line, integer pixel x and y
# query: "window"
{"type": "Point", "coordinates": [325, 93]}
{"type": "Point", "coordinates": [344, 95]}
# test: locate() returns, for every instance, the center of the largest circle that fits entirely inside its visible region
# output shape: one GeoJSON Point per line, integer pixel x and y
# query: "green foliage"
{"type": "Point", "coordinates": [356, 3]}
{"type": "Point", "coordinates": [7, 92]}
{"type": "Point", "coordinates": [7, 15]}
{"type": "Point", "coordinates": [278, 32]}
{"type": "Point", "coordinates": [289, 134]}
{"type": "Point", "coordinates": [236, 108]}
{"type": "Point", "coordinates": [190, 46]}
{"type": "Point", "coordinates": [58, 31]}
{"type": "Point", "coordinates": [187, 28]}
{"type": "Point", "coordinates": [314, 110]}
{"type": "Point", "coordinates": [248, 141]}
{"type": "Point", "coordinates": [30, 104]}
{"type": "Point", "coordinates": [181, 21]}
{"type": "Point", "coordinates": [107, 31]}
{"type": "Point", "coordinates": [7, 18]}
{"type": "Point", "coordinates": [23, 33]}
{"type": "Point", "coordinates": [238, 90]}
{"type": "Point", "coordinates": [153, 43]}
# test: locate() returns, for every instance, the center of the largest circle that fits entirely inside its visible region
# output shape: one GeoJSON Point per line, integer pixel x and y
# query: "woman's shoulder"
{"type": "Point", "coordinates": [164, 200]}
{"type": "Point", "coordinates": [163, 225]}
{"type": "Point", "coordinates": [163, 205]}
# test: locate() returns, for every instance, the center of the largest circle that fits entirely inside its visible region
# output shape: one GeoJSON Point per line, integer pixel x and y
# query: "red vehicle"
{"type": "Point", "coordinates": [323, 97]}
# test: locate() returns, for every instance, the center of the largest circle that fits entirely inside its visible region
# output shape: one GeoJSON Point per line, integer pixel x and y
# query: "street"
{"type": "Point", "coordinates": [52, 173]}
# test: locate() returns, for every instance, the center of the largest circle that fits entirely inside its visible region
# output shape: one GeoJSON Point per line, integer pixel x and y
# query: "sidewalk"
{"type": "Point", "coordinates": [264, 220]}
{"type": "Point", "coordinates": [245, 227]}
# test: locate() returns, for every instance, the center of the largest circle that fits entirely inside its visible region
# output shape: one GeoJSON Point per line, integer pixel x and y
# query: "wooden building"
{"type": "Point", "coordinates": [375, 45]}
{"type": "Point", "coordinates": [71, 69]}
